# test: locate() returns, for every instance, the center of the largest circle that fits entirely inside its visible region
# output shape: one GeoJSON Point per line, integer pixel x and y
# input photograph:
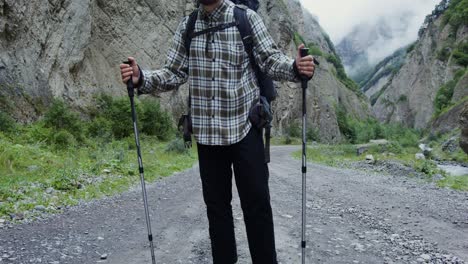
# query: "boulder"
{"type": "Point", "coordinates": [451, 145]}
{"type": "Point", "coordinates": [420, 156]}
{"type": "Point", "coordinates": [370, 159]}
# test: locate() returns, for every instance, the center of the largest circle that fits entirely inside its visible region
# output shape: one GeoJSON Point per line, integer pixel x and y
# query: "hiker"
{"type": "Point", "coordinates": [223, 87]}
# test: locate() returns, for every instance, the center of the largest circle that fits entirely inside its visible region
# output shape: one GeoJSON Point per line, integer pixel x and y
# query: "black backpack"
{"type": "Point", "coordinates": [261, 114]}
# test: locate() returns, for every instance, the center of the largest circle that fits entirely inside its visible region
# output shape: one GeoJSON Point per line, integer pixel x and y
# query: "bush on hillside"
{"type": "Point", "coordinates": [177, 145]}
{"type": "Point", "coordinates": [460, 54]}
{"type": "Point", "coordinates": [64, 139]}
{"type": "Point", "coordinates": [294, 130]}
{"type": "Point", "coordinates": [60, 117]}
{"type": "Point", "coordinates": [100, 127]}
{"type": "Point", "coordinates": [7, 124]}
{"type": "Point", "coordinates": [156, 121]}
{"type": "Point", "coordinates": [119, 114]}
{"type": "Point", "coordinates": [457, 14]}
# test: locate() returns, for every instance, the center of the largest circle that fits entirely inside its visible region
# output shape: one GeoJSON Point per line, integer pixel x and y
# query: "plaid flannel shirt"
{"type": "Point", "coordinates": [222, 82]}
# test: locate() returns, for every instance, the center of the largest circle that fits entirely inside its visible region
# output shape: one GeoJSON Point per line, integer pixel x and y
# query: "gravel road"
{"type": "Point", "coordinates": [353, 217]}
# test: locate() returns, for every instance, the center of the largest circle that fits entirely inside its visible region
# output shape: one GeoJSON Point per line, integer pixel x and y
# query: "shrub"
{"type": "Point", "coordinates": [100, 127]}
{"type": "Point", "coordinates": [287, 140]}
{"type": "Point", "coordinates": [60, 117]}
{"type": "Point", "coordinates": [65, 181]}
{"type": "Point", "coordinates": [344, 124]}
{"type": "Point", "coordinates": [294, 130]}
{"type": "Point", "coordinates": [119, 114]}
{"type": "Point", "coordinates": [313, 134]}
{"type": "Point", "coordinates": [156, 121]}
{"type": "Point", "coordinates": [444, 54]}
{"type": "Point", "coordinates": [64, 139]}
{"type": "Point", "coordinates": [457, 14]}
{"type": "Point", "coordinates": [444, 95]}
{"type": "Point", "coordinates": [427, 167]}
{"type": "Point", "coordinates": [314, 50]}
{"type": "Point", "coordinates": [405, 136]}
{"type": "Point", "coordinates": [394, 147]}
{"type": "Point", "coordinates": [365, 130]}
{"type": "Point", "coordinates": [411, 47]}
{"type": "Point", "coordinates": [403, 98]}
{"type": "Point", "coordinates": [7, 124]}
{"type": "Point", "coordinates": [460, 54]}
{"type": "Point", "coordinates": [177, 145]}
{"type": "Point", "coordinates": [341, 74]}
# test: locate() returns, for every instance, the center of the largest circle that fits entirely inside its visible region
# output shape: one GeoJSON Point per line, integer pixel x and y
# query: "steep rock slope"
{"type": "Point", "coordinates": [71, 50]}
{"type": "Point", "coordinates": [375, 83]}
{"type": "Point", "coordinates": [435, 63]}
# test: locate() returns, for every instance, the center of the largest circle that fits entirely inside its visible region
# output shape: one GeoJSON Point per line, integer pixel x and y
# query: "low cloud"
{"type": "Point", "coordinates": [339, 17]}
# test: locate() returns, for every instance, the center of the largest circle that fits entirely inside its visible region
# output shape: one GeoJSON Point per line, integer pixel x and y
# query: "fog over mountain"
{"type": "Point", "coordinates": [367, 31]}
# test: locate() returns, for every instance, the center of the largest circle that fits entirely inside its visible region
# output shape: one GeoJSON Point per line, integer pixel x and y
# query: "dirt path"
{"type": "Point", "coordinates": [353, 217]}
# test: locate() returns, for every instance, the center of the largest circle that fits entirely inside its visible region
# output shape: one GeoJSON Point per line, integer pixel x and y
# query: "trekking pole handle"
{"type": "Point", "coordinates": [305, 52]}
{"type": "Point", "coordinates": [130, 88]}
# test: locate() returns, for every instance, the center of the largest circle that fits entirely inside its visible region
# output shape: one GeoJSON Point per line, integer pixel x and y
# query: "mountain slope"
{"type": "Point", "coordinates": [71, 50]}
{"type": "Point", "coordinates": [368, 43]}
{"type": "Point", "coordinates": [434, 68]}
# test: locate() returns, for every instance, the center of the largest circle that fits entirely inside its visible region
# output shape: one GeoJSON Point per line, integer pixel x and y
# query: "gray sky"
{"type": "Point", "coordinates": [338, 17]}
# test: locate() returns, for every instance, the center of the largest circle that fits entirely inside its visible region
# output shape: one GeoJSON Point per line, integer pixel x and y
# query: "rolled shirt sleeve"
{"type": "Point", "coordinates": [268, 56]}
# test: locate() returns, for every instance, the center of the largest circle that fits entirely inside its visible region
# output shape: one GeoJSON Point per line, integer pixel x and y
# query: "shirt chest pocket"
{"type": "Point", "coordinates": [232, 54]}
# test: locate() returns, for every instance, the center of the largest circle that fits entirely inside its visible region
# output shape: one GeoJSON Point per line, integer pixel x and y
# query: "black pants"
{"type": "Point", "coordinates": [251, 174]}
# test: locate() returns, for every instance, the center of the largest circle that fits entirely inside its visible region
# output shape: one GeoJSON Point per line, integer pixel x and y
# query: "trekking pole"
{"type": "Point", "coordinates": [304, 52]}
{"type": "Point", "coordinates": [131, 95]}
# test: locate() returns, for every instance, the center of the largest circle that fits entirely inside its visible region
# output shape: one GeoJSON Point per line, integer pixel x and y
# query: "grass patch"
{"type": "Point", "coordinates": [88, 172]}
{"type": "Point", "coordinates": [455, 182]}
{"type": "Point", "coordinates": [446, 148]}
{"type": "Point", "coordinates": [358, 131]}
{"type": "Point", "coordinates": [337, 155]}
{"type": "Point", "coordinates": [345, 154]}
{"type": "Point", "coordinates": [330, 155]}
{"type": "Point", "coordinates": [64, 159]}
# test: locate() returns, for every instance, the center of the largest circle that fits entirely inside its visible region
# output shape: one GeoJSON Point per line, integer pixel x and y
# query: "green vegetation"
{"type": "Point", "coordinates": [345, 155]}
{"type": "Point", "coordinates": [63, 121]}
{"type": "Point", "coordinates": [411, 47]}
{"type": "Point", "coordinates": [401, 148]}
{"type": "Point", "coordinates": [460, 54]}
{"type": "Point", "coordinates": [341, 74]}
{"type": "Point", "coordinates": [373, 99]}
{"type": "Point", "coordinates": [447, 152]}
{"type": "Point", "coordinates": [315, 50]}
{"type": "Point", "coordinates": [7, 124]}
{"type": "Point", "coordinates": [361, 131]}
{"type": "Point", "coordinates": [390, 66]}
{"type": "Point", "coordinates": [63, 159]}
{"type": "Point", "coordinates": [455, 182]}
{"type": "Point", "coordinates": [457, 14]}
{"type": "Point", "coordinates": [444, 53]}
{"type": "Point", "coordinates": [443, 99]}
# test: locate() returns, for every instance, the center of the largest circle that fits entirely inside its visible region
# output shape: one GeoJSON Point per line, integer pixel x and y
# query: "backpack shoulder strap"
{"type": "Point", "coordinates": [188, 35]}
{"type": "Point", "coordinates": [245, 30]}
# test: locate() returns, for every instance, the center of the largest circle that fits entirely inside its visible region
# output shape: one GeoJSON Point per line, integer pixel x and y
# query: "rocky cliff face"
{"type": "Point", "coordinates": [375, 82]}
{"type": "Point", "coordinates": [410, 94]}
{"type": "Point", "coordinates": [71, 50]}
